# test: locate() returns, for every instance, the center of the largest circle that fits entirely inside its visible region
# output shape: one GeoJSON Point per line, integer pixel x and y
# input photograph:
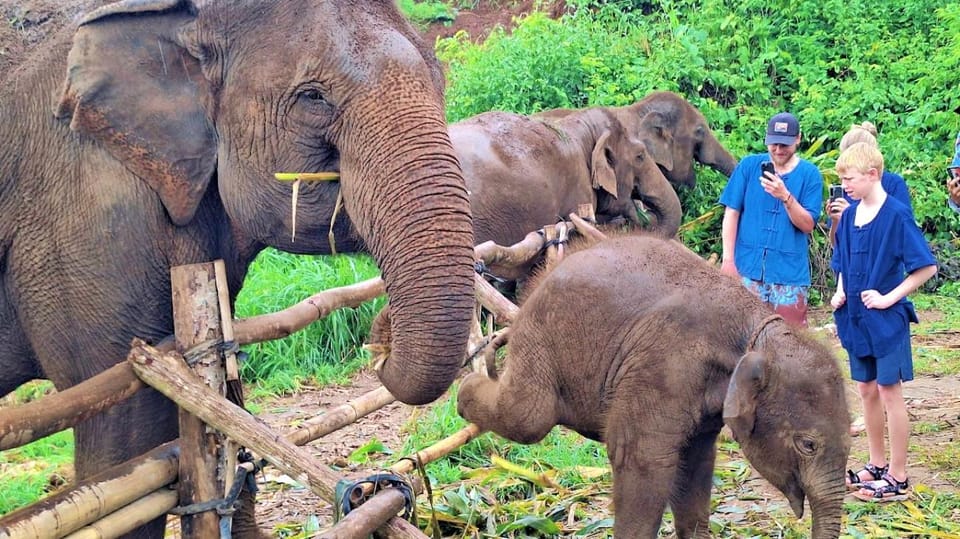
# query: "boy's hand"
{"type": "Point", "coordinates": [874, 300]}
{"type": "Point", "coordinates": [838, 299]}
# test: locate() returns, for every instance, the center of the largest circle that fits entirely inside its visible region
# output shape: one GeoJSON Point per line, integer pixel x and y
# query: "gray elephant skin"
{"type": "Point", "coordinates": [676, 135]}
{"type": "Point", "coordinates": [523, 173]}
{"type": "Point", "coordinates": [659, 353]}
{"type": "Point", "coordinates": [150, 140]}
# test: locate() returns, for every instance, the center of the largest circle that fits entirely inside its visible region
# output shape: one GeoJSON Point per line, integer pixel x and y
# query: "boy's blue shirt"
{"type": "Point", "coordinates": [768, 247]}
{"type": "Point", "coordinates": [874, 257]}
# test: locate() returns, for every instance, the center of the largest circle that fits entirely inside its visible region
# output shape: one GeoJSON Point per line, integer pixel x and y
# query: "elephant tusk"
{"type": "Point", "coordinates": [306, 176]}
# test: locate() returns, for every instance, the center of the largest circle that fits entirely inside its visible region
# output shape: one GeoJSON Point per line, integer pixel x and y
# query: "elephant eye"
{"type": "Point", "coordinates": [805, 445]}
{"type": "Point", "coordinates": [312, 94]}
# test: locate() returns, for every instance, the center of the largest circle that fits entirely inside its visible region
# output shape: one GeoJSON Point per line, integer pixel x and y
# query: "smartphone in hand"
{"type": "Point", "coordinates": [836, 191]}
{"type": "Point", "coordinates": [767, 166]}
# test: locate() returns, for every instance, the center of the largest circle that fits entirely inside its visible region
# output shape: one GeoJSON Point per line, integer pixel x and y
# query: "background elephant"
{"type": "Point", "coordinates": [523, 173]}
{"type": "Point", "coordinates": [659, 354]}
{"type": "Point", "coordinates": [161, 151]}
{"type": "Point", "coordinates": [676, 135]}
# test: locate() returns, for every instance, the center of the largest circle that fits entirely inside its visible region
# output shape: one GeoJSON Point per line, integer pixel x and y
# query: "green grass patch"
{"type": "Point", "coordinates": [327, 351]}
{"type": "Point", "coordinates": [30, 472]}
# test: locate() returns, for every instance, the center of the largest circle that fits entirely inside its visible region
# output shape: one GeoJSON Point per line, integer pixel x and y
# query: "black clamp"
{"type": "Point", "coordinates": [349, 494]}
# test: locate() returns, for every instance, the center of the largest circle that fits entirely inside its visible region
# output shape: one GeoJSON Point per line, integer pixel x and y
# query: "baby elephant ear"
{"type": "Point", "coordinates": [740, 404]}
{"type": "Point", "coordinates": [602, 175]}
{"type": "Point", "coordinates": [136, 89]}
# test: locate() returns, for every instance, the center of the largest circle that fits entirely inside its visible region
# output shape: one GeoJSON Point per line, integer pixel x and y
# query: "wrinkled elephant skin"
{"type": "Point", "coordinates": [523, 173]}
{"type": "Point", "coordinates": [169, 121]}
{"type": "Point", "coordinates": [657, 352]}
{"type": "Point", "coordinates": [675, 133]}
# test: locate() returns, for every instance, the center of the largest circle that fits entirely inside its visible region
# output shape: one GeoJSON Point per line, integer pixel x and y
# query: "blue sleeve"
{"type": "Point", "coordinates": [840, 238]}
{"type": "Point", "coordinates": [811, 194]}
{"type": "Point", "coordinates": [736, 188]}
{"type": "Point", "coordinates": [916, 251]}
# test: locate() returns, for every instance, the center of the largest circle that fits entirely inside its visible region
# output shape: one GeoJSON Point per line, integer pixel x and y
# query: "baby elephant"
{"type": "Point", "coordinates": [639, 343]}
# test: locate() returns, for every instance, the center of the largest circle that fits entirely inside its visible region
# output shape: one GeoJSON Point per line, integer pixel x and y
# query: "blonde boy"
{"type": "Point", "coordinates": [877, 239]}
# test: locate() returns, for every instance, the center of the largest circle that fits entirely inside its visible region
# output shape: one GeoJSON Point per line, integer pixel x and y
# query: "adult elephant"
{"type": "Point", "coordinates": [676, 135]}
{"type": "Point", "coordinates": [159, 149]}
{"type": "Point", "coordinates": [662, 354]}
{"type": "Point", "coordinates": [523, 173]}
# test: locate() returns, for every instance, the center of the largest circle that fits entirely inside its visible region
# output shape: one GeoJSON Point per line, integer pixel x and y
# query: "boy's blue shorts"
{"type": "Point", "coordinates": [896, 365]}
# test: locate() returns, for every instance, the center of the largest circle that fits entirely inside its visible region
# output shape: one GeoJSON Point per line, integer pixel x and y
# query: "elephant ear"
{"type": "Point", "coordinates": [657, 135]}
{"type": "Point", "coordinates": [132, 86]}
{"type": "Point", "coordinates": [740, 405]}
{"type": "Point", "coordinates": [602, 175]}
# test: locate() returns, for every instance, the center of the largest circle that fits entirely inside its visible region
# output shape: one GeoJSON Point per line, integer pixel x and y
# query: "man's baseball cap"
{"type": "Point", "coordinates": [783, 129]}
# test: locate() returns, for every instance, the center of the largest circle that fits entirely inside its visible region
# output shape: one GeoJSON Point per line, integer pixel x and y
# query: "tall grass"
{"type": "Point", "coordinates": [328, 350]}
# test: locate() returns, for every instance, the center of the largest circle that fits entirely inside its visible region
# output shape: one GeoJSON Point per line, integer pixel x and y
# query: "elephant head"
{"type": "Point", "coordinates": [208, 100]}
{"type": "Point", "coordinates": [676, 135]}
{"type": "Point", "coordinates": [623, 174]}
{"type": "Point", "coordinates": [774, 406]}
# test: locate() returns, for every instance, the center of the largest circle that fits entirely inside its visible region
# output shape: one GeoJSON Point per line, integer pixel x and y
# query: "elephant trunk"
{"type": "Point", "coordinates": [403, 188]}
{"type": "Point", "coordinates": [664, 206]}
{"type": "Point", "coordinates": [715, 156]}
{"type": "Point", "coordinates": [826, 504]}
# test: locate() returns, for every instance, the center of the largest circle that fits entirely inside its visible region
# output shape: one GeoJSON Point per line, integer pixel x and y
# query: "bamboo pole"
{"type": "Point", "coordinates": [517, 255]}
{"type": "Point", "coordinates": [586, 229]}
{"type": "Point", "coordinates": [168, 375]}
{"type": "Point", "coordinates": [296, 317]}
{"type": "Point", "coordinates": [196, 320]}
{"type": "Point", "coordinates": [373, 514]}
{"type": "Point", "coordinates": [94, 497]}
{"type": "Point", "coordinates": [340, 416]}
{"type": "Point", "coordinates": [26, 423]}
{"type": "Point", "coordinates": [130, 517]}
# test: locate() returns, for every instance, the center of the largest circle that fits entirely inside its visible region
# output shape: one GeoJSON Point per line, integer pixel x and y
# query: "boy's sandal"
{"type": "Point", "coordinates": [853, 478]}
{"type": "Point", "coordinates": [887, 489]}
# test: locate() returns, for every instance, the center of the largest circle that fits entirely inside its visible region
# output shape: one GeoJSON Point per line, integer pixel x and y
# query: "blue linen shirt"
{"type": "Point", "coordinates": [874, 257]}
{"type": "Point", "coordinates": [768, 247]}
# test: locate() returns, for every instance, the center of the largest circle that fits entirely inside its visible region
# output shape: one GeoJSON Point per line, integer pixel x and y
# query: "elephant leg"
{"type": "Point", "coordinates": [521, 412]}
{"type": "Point", "coordinates": [127, 430]}
{"type": "Point", "coordinates": [690, 499]}
{"type": "Point", "coordinates": [643, 473]}
{"type": "Point", "coordinates": [17, 361]}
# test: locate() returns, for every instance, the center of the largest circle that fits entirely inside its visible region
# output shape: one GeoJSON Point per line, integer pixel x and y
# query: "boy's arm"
{"type": "Point", "coordinates": [875, 300]}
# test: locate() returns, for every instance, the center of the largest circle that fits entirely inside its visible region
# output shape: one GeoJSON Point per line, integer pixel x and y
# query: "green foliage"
{"type": "Point", "coordinates": [424, 13]}
{"type": "Point", "coordinates": [326, 351]}
{"type": "Point", "coordinates": [833, 63]}
{"type": "Point", "coordinates": [30, 472]}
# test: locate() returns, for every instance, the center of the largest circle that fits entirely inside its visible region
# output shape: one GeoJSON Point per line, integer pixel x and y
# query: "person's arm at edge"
{"type": "Point", "coordinates": [728, 236]}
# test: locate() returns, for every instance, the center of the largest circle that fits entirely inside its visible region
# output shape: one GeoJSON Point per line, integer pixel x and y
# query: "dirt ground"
{"type": "Point", "coordinates": [936, 400]}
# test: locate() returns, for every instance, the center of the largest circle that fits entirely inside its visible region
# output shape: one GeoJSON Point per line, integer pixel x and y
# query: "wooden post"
{"type": "Point", "coordinates": [586, 212]}
{"type": "Point", "coordinates": [196, 321]}
{"type": "Point", "coordinates": [130, 517]}
{"type": "Point", "coordinates": [549, 235]}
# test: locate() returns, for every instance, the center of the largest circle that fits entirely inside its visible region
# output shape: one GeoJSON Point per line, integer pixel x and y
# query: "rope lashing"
{"type": "Point", "coordinates": [228, 505]}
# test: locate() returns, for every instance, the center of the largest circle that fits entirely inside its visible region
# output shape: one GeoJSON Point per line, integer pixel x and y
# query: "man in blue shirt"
{"type": "Point", "coordinates": [768, 220]}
